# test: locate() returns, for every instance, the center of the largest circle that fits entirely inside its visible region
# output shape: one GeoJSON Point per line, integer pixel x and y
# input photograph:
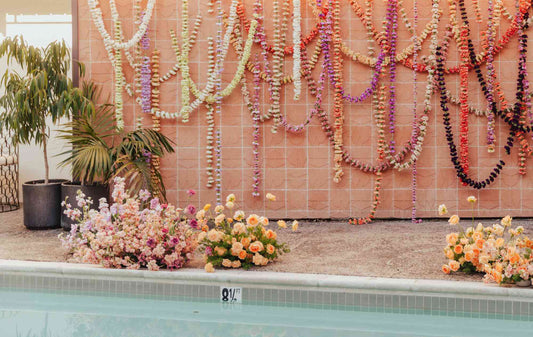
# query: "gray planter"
{"type": "Point", "coordinates": [42, 204]}
{"type": "Point", "coordinates": [70, 190]}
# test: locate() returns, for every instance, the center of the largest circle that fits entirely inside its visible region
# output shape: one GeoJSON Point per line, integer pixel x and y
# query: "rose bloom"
{"type": "Point", "coordinates": [446, 269]}
{"type": "Point", "coordinates": [226, 263]}
{"type": "Point", "coordinates": [270, 249]}
{"type": "Point", "coordinates": [202, 236]}
{"type": "Point", "coordinates": [454, 265]}
{"type": "Point", "coordinates": [239, 228]}
{"type": "Point", "coordinates": [295, 226]}
{"type": "Point", "coordinates": [469, 256]}
{"type": "Point", "coordinates": [230, 198]}
{"type": "Point", "coordinates": [457, 250]}
{"type": "Point", "coordinates": [236, 264]}
{"type": "Point", "coordinates": [219, 209]}
{"type": "Point", "coordinates": [270, 234]}
{"type": "Point", "coordinates": [271, 197]}
{"type": "Point", "coordinates": [230, 205]}
{"type": "Point", "coordinates": [214, 235]}
{"type": "Point", "coordinates": [252, 220]}
{"type": "Point", "coordinates": [259, 260]}
{"type": "Point", "coordinates": [200, 214]}
{"type": "Point", "coordinates": [236, 248]}
{"type": "Point", "coordinates": [219, 218]}
{"type": "Point", "coordinates": [209, 268]}
{"type": "Point", "coordinates": [256, 246]}
{"type": "Point", "coordinates": [242, 254]}
{"type": "Point", "coordinates": [239, 215]}
{"type": "Point", "coordinates": [263, 220]}
{"type": "Point", "coordinates": [471, 199]}
{"type": "Point", "coordinates": [246, 242]}
{"type": "Point", "coordinates": [443, 210]}
{"type": "Point", "coordinates": [500, 242]}
{"type": "Point", "coordinates": [220, 251]}
{"type": "Point", "coordinates": [282, 224]}
{"type": "Point", "coordinates": [452, 238]}
{"type": "Point", "coordinates": [506, 221]}
{"type": "Point", "coordinates": [449, 253]}
{"type": "Point", "coordinates": [454, 219]}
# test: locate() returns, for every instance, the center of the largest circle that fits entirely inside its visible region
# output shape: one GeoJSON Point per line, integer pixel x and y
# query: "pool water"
{"type": "Point", "coordinates": [36, 314]}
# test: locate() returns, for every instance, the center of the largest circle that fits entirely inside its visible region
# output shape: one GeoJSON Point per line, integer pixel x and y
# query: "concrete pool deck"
{"type": "Point", "coordinates": [387, 249]}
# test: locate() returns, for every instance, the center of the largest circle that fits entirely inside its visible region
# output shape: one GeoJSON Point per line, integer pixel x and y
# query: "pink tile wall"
{"type": "Point", "coordinates": [297, 168]}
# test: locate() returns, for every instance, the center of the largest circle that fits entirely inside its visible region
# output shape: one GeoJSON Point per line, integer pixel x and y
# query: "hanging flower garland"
{"type": "Point", "coordinates": [415, 130]}
{"type": "Point", "coordinates": [446, 115]}
{"type": "Point", "coordinates": [463, 98]}
{"type": "Point", "coordinates": [96, 14]}
{"type": "Point", "coordinates": [297, 61]}
{"type": "Point", "coordinates": [379, 102]}
{"type": "Point", "coordinates": [392, 35]}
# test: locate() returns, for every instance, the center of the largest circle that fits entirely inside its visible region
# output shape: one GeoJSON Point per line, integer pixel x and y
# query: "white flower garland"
{"type": "Point", "coordinates": [96, 14]}
{"type": "Point", "coordinates": [297, 57]}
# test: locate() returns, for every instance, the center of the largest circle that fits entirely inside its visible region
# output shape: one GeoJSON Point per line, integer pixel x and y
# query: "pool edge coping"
{"type": "Point", "coordinates": [279, 279]}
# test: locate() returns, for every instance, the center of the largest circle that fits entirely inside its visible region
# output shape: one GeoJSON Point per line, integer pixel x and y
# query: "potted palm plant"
{"type": "Point", "coordinates": [99, 152]}
{"type": "Point", "coordinates": [42, 91]}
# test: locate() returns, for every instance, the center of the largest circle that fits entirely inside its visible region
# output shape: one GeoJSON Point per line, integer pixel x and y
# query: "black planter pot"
{"type": "Point", "coordinates": [70, 190]}
{"type": "Point", "coordinates": [42, 204]}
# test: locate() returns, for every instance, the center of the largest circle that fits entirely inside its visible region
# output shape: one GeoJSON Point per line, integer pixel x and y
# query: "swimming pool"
{"type": "Point", "coordinates": [41, 314]}
{"type": "Point", "coordinates": [49, 300]}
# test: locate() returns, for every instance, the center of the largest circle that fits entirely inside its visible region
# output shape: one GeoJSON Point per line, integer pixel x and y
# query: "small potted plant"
{"type": "Point", "coordinates": [42, 91]}
{"type": "Point", "coordinates": [99, 152]}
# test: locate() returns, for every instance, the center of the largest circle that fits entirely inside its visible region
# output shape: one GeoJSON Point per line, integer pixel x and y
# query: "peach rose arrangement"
{"type": "Point", "coordinates": [134, 232]}
{"type": "Point", "coordinates": [240, 240]}
{"type": "Point", "coordinates": [501, 252]}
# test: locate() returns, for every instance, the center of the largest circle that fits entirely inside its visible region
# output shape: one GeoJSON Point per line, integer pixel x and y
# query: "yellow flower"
{"type": "Point", "coordinates": [209, 268]}
{"type": "Point", "coordinates": [507, 221]}
{"type": "Point", "coordinates": [282, 224]}
{"type": "Point", "coordinates": [271, 197]}
{"type": "Point", "coordinates": [454, 219]}
{"type": "Point", "coordinates": [207, 207]}
{"type": "Point", "coordinates": [471, 199]}
{"type": "Point", "coordinates": [295, 226]}
{"type": "Point", "coordinates": [230, 205]}
{"type": "Point", "coordinates": [230, 198]}
{"type": "Point", "coordinates": [443, 210]}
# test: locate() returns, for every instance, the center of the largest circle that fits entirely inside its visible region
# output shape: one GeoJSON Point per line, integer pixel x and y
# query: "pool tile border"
{"type": "Point", "coordinates": [450, 298]}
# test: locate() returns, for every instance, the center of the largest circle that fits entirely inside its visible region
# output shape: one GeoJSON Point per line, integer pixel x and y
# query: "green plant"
{"type": "Point", "coordinates": [101, 152]}
{"type": "Point", "coordinates": [41, 90]}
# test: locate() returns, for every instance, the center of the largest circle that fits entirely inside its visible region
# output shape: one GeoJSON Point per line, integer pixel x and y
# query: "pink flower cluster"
{"type": "Point", "coordinates": [134, 232]}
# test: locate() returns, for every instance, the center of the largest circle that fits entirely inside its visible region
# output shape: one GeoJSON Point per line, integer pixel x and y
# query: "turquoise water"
{"type": "Point", "coordinates": [35, 314]}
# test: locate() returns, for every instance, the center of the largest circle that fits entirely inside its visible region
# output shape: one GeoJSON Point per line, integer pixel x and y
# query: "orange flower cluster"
{"type": "Point", "coordinates": [238, 241]}
{"type": "Point", "coordinates": [501, 252]}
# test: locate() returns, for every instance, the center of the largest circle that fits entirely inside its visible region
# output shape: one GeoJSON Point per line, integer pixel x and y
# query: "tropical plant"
{"type": "Point", "coordinates": [41, 90]}
{"type": "Point", "coordinates": [101, 152]}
